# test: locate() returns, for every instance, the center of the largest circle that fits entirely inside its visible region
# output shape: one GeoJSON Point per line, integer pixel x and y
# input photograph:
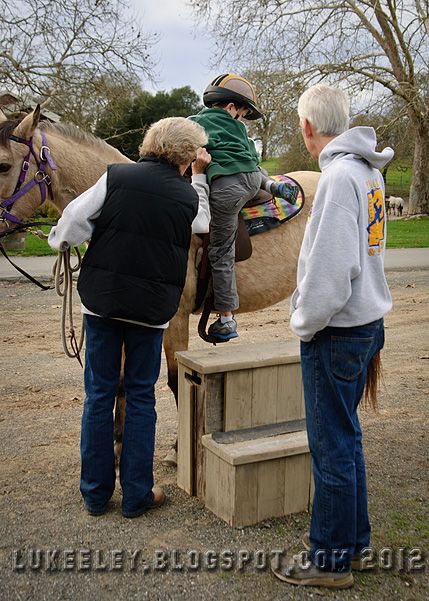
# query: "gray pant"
{"type": "Point", "coordinates": [228, 195]}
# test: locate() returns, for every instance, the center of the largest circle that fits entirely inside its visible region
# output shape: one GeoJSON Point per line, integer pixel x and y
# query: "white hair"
{"type": "Point", "coordinates": [327, 108]}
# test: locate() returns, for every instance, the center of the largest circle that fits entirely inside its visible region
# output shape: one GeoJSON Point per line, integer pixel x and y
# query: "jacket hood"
{"type": "Point", "coordinates": [360, 142]}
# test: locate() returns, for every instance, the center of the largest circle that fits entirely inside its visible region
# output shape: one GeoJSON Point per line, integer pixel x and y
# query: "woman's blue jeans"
{"type": "Point", "coordinates": [105, 339]}
{"type": "Point", "coordinates": [334, 368]}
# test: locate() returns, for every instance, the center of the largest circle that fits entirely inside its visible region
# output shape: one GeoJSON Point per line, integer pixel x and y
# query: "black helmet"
{"type": "Point", "coordinates": [232, 88]}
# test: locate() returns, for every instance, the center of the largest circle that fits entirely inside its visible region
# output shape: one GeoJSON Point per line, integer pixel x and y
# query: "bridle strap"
{"type": "Point", "coordinates": [24, 273]}
{"type": "Point", "coordinates": [41, 178]}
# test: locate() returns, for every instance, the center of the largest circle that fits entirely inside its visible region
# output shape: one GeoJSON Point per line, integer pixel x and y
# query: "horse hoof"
{"type": "Point", "coordinates": [171, 458]}
{"type": "Point", "coordinates": [117, 453]}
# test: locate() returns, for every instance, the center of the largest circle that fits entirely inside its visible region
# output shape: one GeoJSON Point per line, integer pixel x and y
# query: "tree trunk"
{"type": "Point", "coordinates": [419, 192]}
{"type": "Point", "coordinates": [264, 150]}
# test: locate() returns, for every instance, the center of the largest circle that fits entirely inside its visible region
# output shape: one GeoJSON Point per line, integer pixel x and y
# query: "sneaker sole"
{"type": "Point", "coordinates": [96, 513]}
{"type": "Point", "coordinates": [326, 581]}
{"type": "Point", "coordinates": [224, 337]}
{"type": "Point", "coordinates": [139, 512]}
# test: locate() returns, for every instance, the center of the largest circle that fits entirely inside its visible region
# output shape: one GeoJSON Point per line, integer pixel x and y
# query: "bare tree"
{"type": "Point", "coordinates": [378, 47]}
{"type": "Point", "coordinates": [75, 105]}
{"type": "Point", "coordinates": [50, 48]}
{"type": "Point", "coordinates": [276, 98]}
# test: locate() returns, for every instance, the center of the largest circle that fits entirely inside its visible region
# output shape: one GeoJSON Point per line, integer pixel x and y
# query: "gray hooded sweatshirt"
{"type": "Point", "coordinates": [341, 279]}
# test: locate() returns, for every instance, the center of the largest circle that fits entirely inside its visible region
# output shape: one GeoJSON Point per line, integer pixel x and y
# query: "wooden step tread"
{"type": "Point", "coordinates": [262, 449]}
{"type": "Point", "coordinates": [231, 357]}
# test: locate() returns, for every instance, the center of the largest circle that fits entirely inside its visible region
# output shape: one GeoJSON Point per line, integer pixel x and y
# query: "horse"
{"type": "Point", "coordinates": [63, 161]}
{"type": "Point", "coordinates": [396, 205]}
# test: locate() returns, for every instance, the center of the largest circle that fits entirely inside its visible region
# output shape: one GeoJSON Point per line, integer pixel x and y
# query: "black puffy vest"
{"type": "Point", "coordinates": [135, 265]}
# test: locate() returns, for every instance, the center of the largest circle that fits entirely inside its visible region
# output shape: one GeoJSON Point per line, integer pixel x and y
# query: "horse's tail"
{"type": "Point", "coordinates": [373, 376]}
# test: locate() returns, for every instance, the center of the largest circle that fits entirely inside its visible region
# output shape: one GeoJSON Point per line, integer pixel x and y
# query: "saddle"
{"type": "Point", "coordinates": [243, 244]}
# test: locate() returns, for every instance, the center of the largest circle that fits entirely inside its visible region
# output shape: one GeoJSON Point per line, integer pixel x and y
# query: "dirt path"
{"type": "Point", "coordinates": [41, 393]}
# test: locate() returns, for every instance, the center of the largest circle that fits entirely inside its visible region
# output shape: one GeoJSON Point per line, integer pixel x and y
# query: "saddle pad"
{"type": "Point", "coordinates": [276, 208]}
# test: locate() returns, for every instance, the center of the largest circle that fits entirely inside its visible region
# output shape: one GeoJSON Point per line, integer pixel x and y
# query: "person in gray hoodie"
{"type": "Point", "coordinates": [337, 311]}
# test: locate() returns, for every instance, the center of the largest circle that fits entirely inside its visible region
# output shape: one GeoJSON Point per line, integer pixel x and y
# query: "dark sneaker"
{"type": "Point", "coordinates": [223, 331]}
{"type": "Point", "coordinates": [357, 563]}
{"type": "Point", "coordinates": [158, 500]}
{"type": "Point", "coordinates": [285, 190]}
{"type": "Point", "coordinates": [294, 573]}
{"type": "Point", "coordinates": [96, 511]}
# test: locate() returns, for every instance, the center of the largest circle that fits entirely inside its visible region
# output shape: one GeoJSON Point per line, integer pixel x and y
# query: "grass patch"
{"type": "Point", "coordinates": [404, 529]}
{"type": "Point", "coordinates": [398, 180]}
{"type": "Point", "coordinates": [37, 247]}
{"type": "Point", "coordinates": [271, 165]}
{"type": "Point", "coordinates": [401, 233]}
{"type": "Point", "coordinates": [408, 233]}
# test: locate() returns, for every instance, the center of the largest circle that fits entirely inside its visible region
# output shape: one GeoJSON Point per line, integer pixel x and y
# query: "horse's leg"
{"type": "Point", "coordinates": [176, 338]}
{"type": "Point", "coordinates": [119, 415]}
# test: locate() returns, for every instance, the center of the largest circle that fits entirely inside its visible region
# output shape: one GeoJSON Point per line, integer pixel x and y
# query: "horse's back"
{"type": "Point", "coordinates": [308, 180]}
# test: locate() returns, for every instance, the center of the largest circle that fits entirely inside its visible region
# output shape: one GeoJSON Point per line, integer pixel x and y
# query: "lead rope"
{"type": "Point", "coordinates": [63, 278]}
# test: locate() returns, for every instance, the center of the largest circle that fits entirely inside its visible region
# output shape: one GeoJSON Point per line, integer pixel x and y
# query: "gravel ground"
{"type": "Point", "coordinates": [80, 559]}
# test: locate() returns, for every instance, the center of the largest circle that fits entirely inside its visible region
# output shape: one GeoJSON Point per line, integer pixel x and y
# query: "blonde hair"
{"type": "Point", "coordinates": [174, 139]}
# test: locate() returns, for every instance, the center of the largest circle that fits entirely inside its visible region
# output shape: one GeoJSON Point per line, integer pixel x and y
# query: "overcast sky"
{"type": "Point", "coordinates": [184, 50]}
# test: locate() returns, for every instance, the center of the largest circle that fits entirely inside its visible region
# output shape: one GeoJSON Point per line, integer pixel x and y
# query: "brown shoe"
{"type": "Point", "coordinates": [158, 500]}
{"type": "Point", "coordinates": [158, 497]}
{"type": "Point", "coordinates": [357, 562]}
{"type": "Point", "coordinates": [294, 573]}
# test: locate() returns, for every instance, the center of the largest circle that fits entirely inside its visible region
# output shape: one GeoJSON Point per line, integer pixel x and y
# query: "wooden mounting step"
{"type": "Point", "coordinates": [253, 480]}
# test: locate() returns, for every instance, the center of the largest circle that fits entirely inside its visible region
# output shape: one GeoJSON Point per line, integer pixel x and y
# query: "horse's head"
{"type": "Point", "coordinates": [18, 165]}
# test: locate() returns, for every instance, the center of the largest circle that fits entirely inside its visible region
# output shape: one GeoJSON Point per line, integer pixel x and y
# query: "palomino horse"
{"type": "Point", "coordinates": [80, 159]}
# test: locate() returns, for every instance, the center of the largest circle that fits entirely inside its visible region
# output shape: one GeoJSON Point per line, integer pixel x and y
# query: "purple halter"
{"type": "Point", "coordinates": [41, 178]}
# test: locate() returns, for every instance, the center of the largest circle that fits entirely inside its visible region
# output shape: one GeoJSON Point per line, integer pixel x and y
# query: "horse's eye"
{"type": "Point", "coordinates": [4, 167]}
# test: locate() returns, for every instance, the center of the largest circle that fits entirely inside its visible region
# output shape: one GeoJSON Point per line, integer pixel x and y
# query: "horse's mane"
{"type": "Point", "coordinates": [6, 128]}
{"type": "Point", "coordinates": [67, 130]}
{"type": "Point", "coordinates": [73, 132]}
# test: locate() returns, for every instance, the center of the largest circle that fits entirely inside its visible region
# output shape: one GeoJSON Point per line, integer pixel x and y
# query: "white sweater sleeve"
{"type": "Point", "coordinates": [200, 225]}
{"type": "Point", "coordinates": [76, 224]}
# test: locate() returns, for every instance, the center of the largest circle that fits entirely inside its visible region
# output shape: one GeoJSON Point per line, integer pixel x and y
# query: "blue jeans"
{"type": "Point", "coordinates": [334, 367]}
{"type": "Point", "coordinates": [105, 339]}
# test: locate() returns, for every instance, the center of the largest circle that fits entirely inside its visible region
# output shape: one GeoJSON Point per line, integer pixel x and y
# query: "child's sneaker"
{"type": "Point", "coordinates": [285, 190]}
{"type": "Point", "coordinates": [223, 331]}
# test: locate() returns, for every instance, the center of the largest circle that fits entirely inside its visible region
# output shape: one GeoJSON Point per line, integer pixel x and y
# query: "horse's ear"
{"type": "Point", "coordinates": [2, 116]}
{"type": "Point", "coordinates": [27, 126]}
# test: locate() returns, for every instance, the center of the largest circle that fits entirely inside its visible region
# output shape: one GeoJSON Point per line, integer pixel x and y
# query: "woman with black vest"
{"type": "Point", "coordinates": [139, 218]}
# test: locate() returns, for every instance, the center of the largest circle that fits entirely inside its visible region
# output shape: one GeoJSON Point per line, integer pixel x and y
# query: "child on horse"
{"type": "Point", "coordinates": [235, 177]}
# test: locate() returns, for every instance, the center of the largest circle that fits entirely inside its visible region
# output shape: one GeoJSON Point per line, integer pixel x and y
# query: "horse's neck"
{"type": "Point", "coordinates": [79, 166]}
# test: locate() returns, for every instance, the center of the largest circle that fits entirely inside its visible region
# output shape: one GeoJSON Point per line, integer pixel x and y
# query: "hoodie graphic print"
{"type": "Point", "coordinates": [376, 222]}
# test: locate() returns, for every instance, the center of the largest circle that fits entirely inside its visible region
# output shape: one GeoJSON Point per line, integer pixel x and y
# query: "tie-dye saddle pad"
{"type": "Point", "coordinates": [272, 213]}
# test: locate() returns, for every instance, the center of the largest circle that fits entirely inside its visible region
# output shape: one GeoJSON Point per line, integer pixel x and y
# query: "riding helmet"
{"type": "Point", "coordinates": [232, 88]}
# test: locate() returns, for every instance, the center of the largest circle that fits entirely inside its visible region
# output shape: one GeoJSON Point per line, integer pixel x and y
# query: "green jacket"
{"type": "Point", "coordinates": [231, 149]}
